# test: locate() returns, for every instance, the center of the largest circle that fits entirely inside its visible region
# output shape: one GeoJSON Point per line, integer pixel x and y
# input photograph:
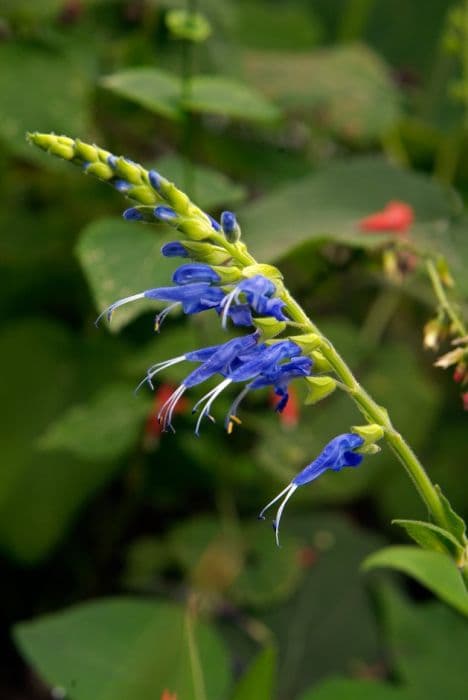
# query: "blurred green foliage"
{"type": "Point", "coordinates": [305, 117]}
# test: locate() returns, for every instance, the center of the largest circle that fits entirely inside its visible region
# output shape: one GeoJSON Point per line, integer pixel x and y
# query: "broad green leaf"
{"type": "Point", "coordinates": [348, 90]}
{"type": "Point", "coordinates": [229, 98]}
{"type": "Point", "coordinates": [58, 104]}
{"type": "Point", "coordinates": [104, 428]}
{"type": "Point", "coordinates": [41, 493]}
{"type": "Point", "coordinates": [434, 570]}
{"type": "Point", "coordinates": [330, 203]}
{"type": "Point", "coordinates": [125, 648]}
{"type": "Point", "coordinates": [343, 689]}
{"type": "Point", "coordinates": [152, 88]}
{"type": "Point", "coordinates": [329, 624]}
{"type": "Point", "coordinates": [427, 645]}
{"type": "Point", "coordinates": [208, 188]}
{"type": "Point", "coordinates": [259, 680]}
{"type": "Point", "coordinates": [120, 258]}
{"type": "Point", "coordinates": [253, 572]}
{"type": "Point", "coordinates": [431, 537]}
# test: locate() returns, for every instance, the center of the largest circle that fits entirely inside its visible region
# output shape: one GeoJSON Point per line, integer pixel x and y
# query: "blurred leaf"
{"type": "Point", "coordinates": [428, 647]}
{"type": "Point", "coordinates": [229, 98]}
{"type": "Point", "coordinates": [322, 618]}
{"type": "Point", "coordinates": [152, 88]}
{"type": "Point", "coordinates": [209, 188]}
{"type": "Point", "coordinates": [259, 680]}
{"type": "Point", "coordinates": [271, 575]}
{"type": "Point", "coordinates": [45, 91]}
{"type": "Point", "coordinates": [330, 203]}
{"type": "Point", "coordinates": [288, 26]}
{"type": "Point", "coordinates": [103, 429]}
{"type": "Point", "coordinates": [120, 258]}
{"type": "Point", "coordinates": [431, 537]}
{"type": "Point", "coordinates": [342, 689]}
{"type": "Point", "coordinates": [40, 493]}
{"type": "Point", "coordinates": [138, 649]}
{"type": "Point", "coordinates": [434, 570]}
{"type": "Point", "coordinates": [242, 564]}
{"type": "Point", "coordinates": [348, 90]}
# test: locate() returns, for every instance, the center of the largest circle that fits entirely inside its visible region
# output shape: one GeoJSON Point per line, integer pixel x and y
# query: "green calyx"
{"type": "Point", "coordinates": [269, 327]}
{"type": "Point", "coordinates": [319, 388]}
{"type": "Point", "coordinates": [370, 434]}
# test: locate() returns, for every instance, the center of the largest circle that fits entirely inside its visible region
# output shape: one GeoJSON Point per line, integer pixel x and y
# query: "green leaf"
{"type": "Point", "coordinates": [457, 524]}
{"type": "Point", "coordinates": [209, 188]}
{"type": "Point", "coordinates": [434, 570]}
{"type": "Point", "coordinates": [47, 369]}
{"type": "Point", "coordinates": [288, 27]}
{"type": "Point", "coordinates": [321, 83]}
{"type": "Point", "coordinates": [431, 537]}
{"type": "Point", "coordinates": [152, 88]}
{"type": "Point", "coordinates": [58, 104]}
{"type": "Point", "coordinates": [124, 648]}
{"type": "Point", "coordinates": [104, 428]}
{"type": "Point", "coordinates": [427, 645]}
{"type": "Point", "coordinates": [229, 98]}
{"type": "Point", "coordinates": [323, 617]}
{"type": "Point", "coordinates": [342, 689]}
{"type": "Point", "coordinates": [259, 680]}
{"type": "Point", "coordinates": [330, 203]}
{"type": "Point", "coordinates": [120, 258]}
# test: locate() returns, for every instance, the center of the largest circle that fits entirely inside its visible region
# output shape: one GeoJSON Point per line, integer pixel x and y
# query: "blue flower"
{"type": "Point", "coordinates": [237, 361]}
{"type": "Point", "coordinates": [198, 287]}
{"type": "Point", "coordinates": [339, 453]}
{"type": "Point", "coordinates": [174, 249]}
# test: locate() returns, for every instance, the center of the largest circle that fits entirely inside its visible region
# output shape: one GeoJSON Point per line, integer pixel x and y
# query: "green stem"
{"type": "Point", "coordinates": [443, 299]}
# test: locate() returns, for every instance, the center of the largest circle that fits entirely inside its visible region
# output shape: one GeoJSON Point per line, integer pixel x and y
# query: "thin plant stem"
{"type": "Point", "coordinates": [199, 687]}
{"type": "Point", "coordinates": [444, 302]}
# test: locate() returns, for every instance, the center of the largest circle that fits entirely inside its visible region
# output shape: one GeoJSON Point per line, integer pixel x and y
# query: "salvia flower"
{"type": "Point", "coordinates": [337, 454]}
{"type": "Point", "coordinates": [198, 287]}
{"type": "Point", "coordinates": [239, 360]}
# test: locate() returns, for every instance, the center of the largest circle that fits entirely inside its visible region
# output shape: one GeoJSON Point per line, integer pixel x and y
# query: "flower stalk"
{"type": "Point", "coordinates": [149, 188]}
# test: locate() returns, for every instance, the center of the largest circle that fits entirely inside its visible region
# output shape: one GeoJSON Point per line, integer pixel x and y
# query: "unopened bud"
{"type": "Point", "coordinates": [129, 171]}
{"type": "Point", "coordinates": [86, 152]}
{"type": "Point", "coordinates": [100, 170]}
{"type": "Point", "coordinates": [206, 252]}
{"type": "Point", "coordinates": [143, 194]}
{"type": "Point", "coordinates": [230, 226]}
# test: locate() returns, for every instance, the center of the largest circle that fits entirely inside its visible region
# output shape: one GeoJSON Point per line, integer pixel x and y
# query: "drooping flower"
{"type": "Point", "coordinates": [337, 454]}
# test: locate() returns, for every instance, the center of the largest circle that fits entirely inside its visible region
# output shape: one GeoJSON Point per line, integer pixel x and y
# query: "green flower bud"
{"type": "Point", "coordinates": [100, 170]}
{"type": "Point", "coordinates": [86, 152]}
{"type": "Point", "coordinates": [195, 229]}
{"type": "Point", "coordinates": [269, 326]}
{"type": "Point", "coordinates": [143, 194]}
{"type": "Point", "coordinates": [128, 171]}
{"type": "Point", "coordinates": [319, 388]}
{"type": "Point", "coordinates": [205, 252]}
{"type": "Point", "coordinates": [177, 199]}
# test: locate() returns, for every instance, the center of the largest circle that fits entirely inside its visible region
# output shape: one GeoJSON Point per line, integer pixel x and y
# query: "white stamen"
{"type": "Point", "coordinates": [158, 321]}
{"type": "Point", "coordinates": [110, 309]}
{"type": "Point", "coordinates": [276, 523]}
{"type": "Point", "coordinates": [232, 413]}
{"type": "Point", "coordinates": [158, 367]}
{"type": "Point", "coordinates": [166, 412]}
{"type": "Point", "coordinates": [227, 302]}
{"type": "Point", "coordinates": [206, 411]}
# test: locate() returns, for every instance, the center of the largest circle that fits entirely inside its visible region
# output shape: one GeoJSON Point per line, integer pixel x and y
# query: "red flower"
{"type": "Point", "coordinates": [167, 695]}
{"type": "Point", "coordinates": [153, 428]}
{"type": "Point", "coordinates": [395, 217]}
{"type": "Point", "coordinates": [465, 400]}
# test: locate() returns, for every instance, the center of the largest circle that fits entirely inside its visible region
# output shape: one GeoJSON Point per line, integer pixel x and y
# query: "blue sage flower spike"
{"type": "Point", "coordinates": [336, 455]}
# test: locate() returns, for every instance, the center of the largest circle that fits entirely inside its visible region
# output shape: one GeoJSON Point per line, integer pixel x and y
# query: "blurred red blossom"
{"type": "Point", "coordinates": [290, 415]}
{"type": "Point", "coordinates": [395, 217]}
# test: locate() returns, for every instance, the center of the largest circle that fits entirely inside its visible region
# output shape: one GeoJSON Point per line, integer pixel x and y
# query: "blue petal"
{"type": "Point", "coordinates": [155, 179]}
{"type": "Point", "coordinates": [133, 214]}
{"type": "Point", "coordinates": [240, 315]}
{"type": "Point", "coordinates": [166, 214]}
{"type": "Point", "coordinates": [121, 185]}
{"type": "Point", "coordinates": [228, 221]}
{"type": "Point", "coordinates": [214, 223]}
{"type": "Point", "coordinates": [221, 359]}
{"type": "Point", "coordinates": [195, 272]}
{"type": "Point", "coordinates": [335, 455]}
